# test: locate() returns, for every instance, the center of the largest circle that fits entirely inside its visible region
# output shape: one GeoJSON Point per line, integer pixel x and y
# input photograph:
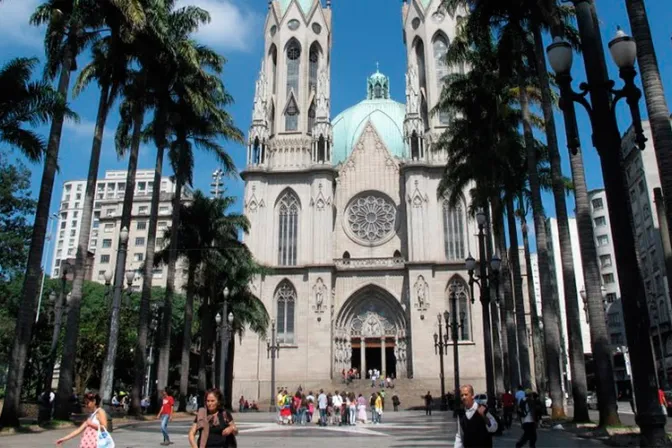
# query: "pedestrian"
{"type": "Point", "coordinates": [166, 415]}
{"type": "Point", "coordinates": [214, 425]}
{"type": "Point", "coordinates": [663, 401]}
{"type": "Point", "coordinates": [361, 408]}
{"type": "Point", "coordinates": [395, 403]}
{"type": "Point", "coordinates": [428, 403]}
{"type": "Point", "coordinates": [528, 413]}
{"type": "Point", "coordinates": [322, 402]}
{"type": "Point", "coordinates": [352, 409]}
{"type": "Point", "coordinates": [336, 405]}
{"type": "Point", "coordinates": [97, 421]}
{"type": "Point", "coordinates": [379, 409]}
{"type": "Point", "coordinates": [475, 424]}
{"type": "Point", "coordinates": [508, 405]}
{"type": "Point", "coordinates": [372, 406]}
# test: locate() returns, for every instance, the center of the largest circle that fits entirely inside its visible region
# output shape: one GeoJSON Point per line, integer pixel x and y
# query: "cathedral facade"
{"type": "Point", "coordinates": [345, 212]}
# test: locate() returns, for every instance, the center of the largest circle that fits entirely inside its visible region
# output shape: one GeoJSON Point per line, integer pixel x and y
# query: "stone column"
{"type": "Point", "coordinates": [363, 358]}
{"type": "Point", "coordinates": [383, 366]}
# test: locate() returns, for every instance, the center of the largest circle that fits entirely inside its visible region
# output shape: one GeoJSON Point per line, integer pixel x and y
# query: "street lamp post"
{"type": "Point", "coordinates": [224, 328]}
{"type": "Point", "coordinates": [487, 273]}
{"type": "Point", "coordinates": [441, 347]}
{"type": "Point", "coordinates": [107, 379]}
{"type": "Point", "coordinates": [607, 141]}
{"type": "Point", "coordinates": [272, 351]}
{"type": "Point", "coordinates": [455, 326]}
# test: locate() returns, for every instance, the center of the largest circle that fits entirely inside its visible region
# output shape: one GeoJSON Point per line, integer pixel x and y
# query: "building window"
{"type": "Point", "coordinates": [642, 186]}
{"type": "Point", "coordinates": [164, 210]}
{"type": "Point", "coordinates": [611, 297]}
{"type": "Point", "coordinates": [73, 223]}
{"type": "Point", "coordinates": [59, 253]}
{"type": "Point", "coordinates": [68, 187]}
{"type": "Point", "coordinates": [79, 187]}
{"type": "Point", "coordinates": [598, 204]}
{"type": "Point", "coordinates": [140, 241]}
{"type": "Point", "coordinates": [162, 225]}
{"type": "Point", "coordinates": [288, 225]}
{"type": "Point", "coordinates": [291, 116]}
{"type": "Point", "coordinates": [608, 279]}
{"type": "Point", "coordinates": [107, 243]}
{"type": "Point", "coordinates": [274, 67]}
{"type": "Point", "coordinates": [78, 196]}
{"type": "Point", "coordinates": [109, 228]}
{"type": "Point", "coordinates": [460, 289]}
{"type": "Point", "coordinates": [63, 224]}
{"type": "Point", "coordinates": [159, 243]}
{"type": "Point", "coordinates": [422, 76]}
{"type": "Point", "coordinates": [454, 231]}
{"type": "Point", "coordinates": [311, 117]}
{"type": "Point", "coordinates": [293, 64]}
{"type": "Point", "coordinates": [600, 221]}
{"type": "Point", "coordinates": [314, 59]}
{"type": "Point", "coordinates": [141, 225]}
{"type": "Point", "coordinates": [138, 256]}
{"type": "Point", "coordinates": [109, 212]}
{"type": "Point", "coordinates": [76, 204]}
{"type": "Point", "coordinates": [603, 240]}
{"type": "Point", "coordinates": [440, 45]}
{"type": "Point", "coordinates": [73, 232]}
{"type": "Point", "coordinates": [605, 261]}
{"type": "Point", "coordinates": [285, 298]}
{"type": "Point", "coordinates": [142, 210]}
{"type": "Point", "coordinates": [104, 259]}
{"type": "Point", "coordinates": [157, 272]}
{"type": "Point", "coordinates": [71, 251]}
{"type": "Point", "coordinates": [71, 242]}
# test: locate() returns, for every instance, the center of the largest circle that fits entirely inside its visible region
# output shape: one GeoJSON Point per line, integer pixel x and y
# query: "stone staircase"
{"type": "Point", "coordinates": [409, 391]}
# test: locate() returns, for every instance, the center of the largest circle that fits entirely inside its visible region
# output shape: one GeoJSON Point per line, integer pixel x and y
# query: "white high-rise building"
{"type": "Point", "coordinates": [105, 225]}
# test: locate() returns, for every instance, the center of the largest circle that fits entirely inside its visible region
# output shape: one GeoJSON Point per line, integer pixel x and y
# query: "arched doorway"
{"type": "Point", "coordinates": [370, 333]}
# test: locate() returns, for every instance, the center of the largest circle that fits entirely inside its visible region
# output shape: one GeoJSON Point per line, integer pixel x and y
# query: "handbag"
{"type": "Point", "coordinates": [104, 439]}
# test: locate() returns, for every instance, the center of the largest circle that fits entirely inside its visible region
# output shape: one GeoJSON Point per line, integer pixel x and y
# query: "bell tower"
{"type": "Point", "coordinates": [428, 30]}
{"type": "Point", "coordinates": [290, 127]}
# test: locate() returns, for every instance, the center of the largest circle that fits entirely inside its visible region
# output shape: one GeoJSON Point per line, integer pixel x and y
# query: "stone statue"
{"type": "Point", "coordinates": [373, 326]}
{"type": "Point", "coordinates": [322, 105]}
{"type": "Point", "coordinates": [412, 90]}
{"type": "Point", "coordinates": [260, 97]}
{"type": "Point", "coordinates": [421, 292]}
{"type": "Point", "coordinates": [320, 291]}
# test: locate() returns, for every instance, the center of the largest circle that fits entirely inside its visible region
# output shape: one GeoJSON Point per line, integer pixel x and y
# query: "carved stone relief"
{"type": "Point", "coordinates": [421, 294]}
{"type": "Point", "coordinates": [320, 291]}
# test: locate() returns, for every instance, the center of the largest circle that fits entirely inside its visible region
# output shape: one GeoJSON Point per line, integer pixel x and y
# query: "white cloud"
{"type": "Point", "coordinates": [84, 129]}
{"type": "Point", "coordinates": [230, 26]}
{"type": "Point", "coordinates": [15, 29]}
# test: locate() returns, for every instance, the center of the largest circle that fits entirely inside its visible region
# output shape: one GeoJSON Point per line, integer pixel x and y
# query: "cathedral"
{"type": "Point", "coordinates": [345, 212]}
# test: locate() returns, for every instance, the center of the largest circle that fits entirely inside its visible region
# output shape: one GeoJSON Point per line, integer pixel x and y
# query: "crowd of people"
{"type": "Point", "coordinates": [339, 409]}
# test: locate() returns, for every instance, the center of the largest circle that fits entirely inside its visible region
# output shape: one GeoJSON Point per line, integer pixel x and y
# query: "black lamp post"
{"type": "Point", "coordinates": [441, 347]}
{"type": "Point", "coordinates": [272, 351]}
{"type": "Point", "coordinates": [487, 273]}
{"type": "Point", "coordinates": [224, 330]}
{"type": "Point", "coordinates": [607, 141]}
{"type": "Point", "coordinates": [455, 327]}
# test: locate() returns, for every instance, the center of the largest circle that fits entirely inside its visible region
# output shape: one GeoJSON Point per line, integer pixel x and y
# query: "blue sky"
{"type": "Point", "coordinates": [364, 32]}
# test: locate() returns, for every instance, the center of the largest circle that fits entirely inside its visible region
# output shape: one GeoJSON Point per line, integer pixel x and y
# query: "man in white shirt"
{"type": "Point", "coordinates": [527, 412]}
{"type": "Point", "coordinates": [336, 404]}
{"type": "Point", "coordinates": [475, 424]}
{"type": "Point", "coordinates": [322, 405]}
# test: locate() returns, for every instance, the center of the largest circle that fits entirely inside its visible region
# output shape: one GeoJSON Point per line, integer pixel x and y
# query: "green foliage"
{"type": "Point", "coordinates": [93, 333]}
{"type": "Point", "coordinates": [16, 206]}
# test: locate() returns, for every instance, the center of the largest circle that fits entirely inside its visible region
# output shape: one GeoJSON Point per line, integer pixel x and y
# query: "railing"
{"type": "Point", "coordinates": [369, 263]}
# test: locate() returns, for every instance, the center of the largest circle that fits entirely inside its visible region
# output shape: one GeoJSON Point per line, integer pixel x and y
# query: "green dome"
{"type": "Point", "coordinates": [387, 116]}
{"type": "Point", "coordinates": [304, 4]}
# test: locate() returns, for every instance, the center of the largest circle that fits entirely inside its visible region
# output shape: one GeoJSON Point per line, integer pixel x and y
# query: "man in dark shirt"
{"type": "Point", "coordinates": [475, 425]}
{"type": "Point", "coordinates": [428, 403]}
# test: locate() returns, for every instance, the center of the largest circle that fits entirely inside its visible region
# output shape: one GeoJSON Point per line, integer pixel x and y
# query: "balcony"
{"type": "Point", "coordinates": [369, 263]}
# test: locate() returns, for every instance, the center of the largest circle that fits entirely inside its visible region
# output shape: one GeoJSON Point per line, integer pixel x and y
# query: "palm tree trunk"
{"type": "Point", "coordinates": [537, 333]}
{"type": "Point", "coordinates": [203, 354]}
{"type": "Point", "coordinates": [550, 317]}
{"type": "Point", "coordinates": [166, 326]}
{"type": "Point", "coordinates": [186, 340]}
{"type": "Point", "coordinates": [497, 351]}
{"type": "Point", "coordinates": [508, 317]}
{"type": "Point", "coordinates": [107, 380]}
{"type": "Point", "coordinates": [576, 356]}
{"type": "Point", "coordinates": [26, 317]}
{"type": "Point", "coordinates": [228, 399]}
{"type": "Point", "coordinates": [521, 326]}
{"type": "Point", "coordinates": [67, 372]}
{"type": "Point", "coordinates": [656, 105]}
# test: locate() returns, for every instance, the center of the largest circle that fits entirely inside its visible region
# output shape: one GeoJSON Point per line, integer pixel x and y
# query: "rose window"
{"type": "Point", "coordinates": [371, 218]}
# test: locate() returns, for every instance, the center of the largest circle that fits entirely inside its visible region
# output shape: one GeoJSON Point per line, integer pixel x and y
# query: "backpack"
{"type": "Point", "coordinates": [523, 408]}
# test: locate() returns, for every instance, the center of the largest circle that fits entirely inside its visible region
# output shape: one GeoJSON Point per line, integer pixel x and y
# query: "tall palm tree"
{"type": "Point", "coordinates": [109, 69]}
{"type": "Point", "coordinates": [24, 102]}
{"type": "Point", "coordinates": [656, 105]}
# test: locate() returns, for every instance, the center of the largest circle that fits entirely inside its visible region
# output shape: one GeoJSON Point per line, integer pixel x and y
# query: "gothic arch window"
{"type": "Point", "coordinates": [273, 59]}
{"type": "Point", "coordinates": [396, 254]}
{"type": "Point", "coordinates": [454, 230]}
{"type": "Point", "coordinates": [314, 67]}
{"type": "Point", "coordinates": [459, 288]}
{"type": "Point", "coordinates": [378, 91]}
{"type": "Point", "coordinates": [291, 116]}
{"type": "Point", "coordinates": [288, 228]}
{"type": "Point", "coordinates": [346, 255]}
{"type": "Point", "coordinates": [440, 46]}
{"type": "Point", "coordinates": [293, 66]}
{"type": "Point", "coordinates": [271, 119]}
{"type": "Point", "coordinates": [422, 76]}
{"type": "Point", "coordinates": [321, 149]}
{"type": "Point", "coordinates": [256, 151]}
{"type": "Point", "coordinates": [285, 300]}
{"type": "Point", "coordinates": [311, 117]}
{"type": "Point", "coordinates": [415, 146]}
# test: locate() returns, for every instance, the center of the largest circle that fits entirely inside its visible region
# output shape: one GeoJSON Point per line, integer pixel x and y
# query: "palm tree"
{"type": "Point", "coordinates": [24, 102]}
{"type": "Point", "coordinates": [656, 105]}
{"type": "Point", "coordinates": [109, 68]}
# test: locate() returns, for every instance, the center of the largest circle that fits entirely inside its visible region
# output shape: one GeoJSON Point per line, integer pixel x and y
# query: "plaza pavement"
{"type": "Point", "coordinates": [399, 430]}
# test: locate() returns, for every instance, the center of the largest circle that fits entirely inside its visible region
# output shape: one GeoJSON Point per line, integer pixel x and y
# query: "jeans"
{"type": "Point", "coordinates": [323, 417]}
{"type": "Point", "coordinates": [508, 416]}
{"type": "Point", "coordinates": [353, 415]}
{"type": "Point", "coordinates": [164, 427]}
{"type": "Point", "coordinates": [301, 417]}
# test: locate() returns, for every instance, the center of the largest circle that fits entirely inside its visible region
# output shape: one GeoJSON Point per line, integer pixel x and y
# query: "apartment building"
{"type": "Point", "coordinates": [105, 231]}
{"type": "Point", "coordinates": [642, 177]}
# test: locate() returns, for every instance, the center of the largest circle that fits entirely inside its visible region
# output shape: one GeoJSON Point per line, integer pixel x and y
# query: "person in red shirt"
{"type": "Point", "coordinates": [663, 401]}
{"type": "Point", "coordinates": [166, 415]}
{"type": "Point", "coordinates": [507, 406]}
